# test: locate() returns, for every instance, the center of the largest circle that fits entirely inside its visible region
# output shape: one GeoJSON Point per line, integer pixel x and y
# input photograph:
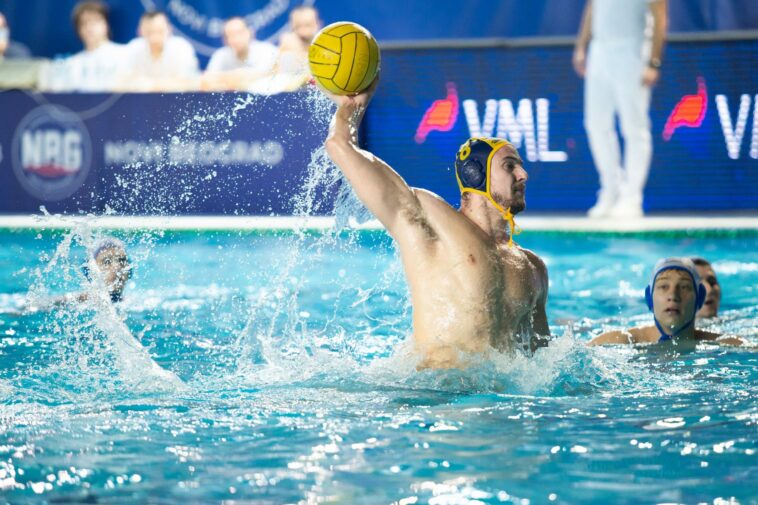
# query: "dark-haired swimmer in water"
{"type": "Point", "coordinates": [471, 287]}
{"type": "Point", "coordinates": [674, 295]}
{"type": "Point", "coordinates": [109, 255]}
{"type": "Point", "coordinates": [113, 263]}
{"type": "Point", "coordinates": [712, 302]}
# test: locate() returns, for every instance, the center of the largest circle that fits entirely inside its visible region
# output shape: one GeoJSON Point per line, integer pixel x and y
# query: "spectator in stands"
{"type": "Point", "coordinates": [292, 63]}
{"type": "Point", "coordinates": [625, 39]}
{"type": "Point", "coordinates": [712, 288]}
{"type": "Point", "coordinates": [8, 48]}
{"type": "Point", "coordinates": [99, 65]}
{"type": "Point", "coordinates": [241, 61]}
{"type": "Point", "coordinates": [158, 60]}
{"type": "Point", "coordinates": [293, 46]}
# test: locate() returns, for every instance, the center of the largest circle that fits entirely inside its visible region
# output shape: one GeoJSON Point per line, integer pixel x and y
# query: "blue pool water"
{"type": "Point", "coordinates": [274, 370]}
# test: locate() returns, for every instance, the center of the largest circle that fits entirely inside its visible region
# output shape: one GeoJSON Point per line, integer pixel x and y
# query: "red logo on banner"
{"type": "Point", "coordinates": [689, 112]}
{"type": "Point", "coordinates": [51, 171]}
{"type": "Point", "coordinates": [440, 116]}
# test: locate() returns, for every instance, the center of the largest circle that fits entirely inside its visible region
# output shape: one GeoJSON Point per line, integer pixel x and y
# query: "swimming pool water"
{"type": "Point", "coordinates": [284, 378]}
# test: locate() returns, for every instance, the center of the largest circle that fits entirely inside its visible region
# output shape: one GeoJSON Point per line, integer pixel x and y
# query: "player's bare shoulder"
{"type": "Point", "coordinates": [540, 272]}
{"type": "Point", "coordinates": [535, 260]}
{"type": "Point", "coordinates": [449, 222]}
{"type": "Point", "coordinates": [432, 202]}
{"type": "Point", "coordinates": [417, 218]}
{"type": "Point", "coordinates": [433, 213]}
{"type": "Point", "coordinates": [717, 338]}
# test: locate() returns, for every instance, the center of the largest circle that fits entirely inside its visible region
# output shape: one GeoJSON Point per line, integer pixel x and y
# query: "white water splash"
{"type": "Point", "coordinates": [134, 365]}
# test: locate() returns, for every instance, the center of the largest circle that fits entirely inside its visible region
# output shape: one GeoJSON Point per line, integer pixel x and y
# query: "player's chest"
{"type": "Point", "coordinates": [496, 272]}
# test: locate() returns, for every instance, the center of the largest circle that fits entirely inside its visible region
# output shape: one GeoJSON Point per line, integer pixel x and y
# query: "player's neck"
{"type": "Point", "coordinates": [95, 45]}
{"type": "Point", "coordinates": [156, 52]}
{"type": "Point", "coordinates": [242, 55]}
{"type": "Point", "coordinates": [688, 333]}
{"type": "Point", "coordinates": [484, 215]}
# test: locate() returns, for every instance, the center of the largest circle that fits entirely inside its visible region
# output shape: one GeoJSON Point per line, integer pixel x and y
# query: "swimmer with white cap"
{"type": "Point", "coordinates": [473, 290]}
{"type": "Point", "coordinates": [674, 296]}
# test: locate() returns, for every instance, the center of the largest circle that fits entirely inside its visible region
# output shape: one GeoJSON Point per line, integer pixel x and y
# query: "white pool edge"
{"type": "Point", "coordinates": [526, 223]}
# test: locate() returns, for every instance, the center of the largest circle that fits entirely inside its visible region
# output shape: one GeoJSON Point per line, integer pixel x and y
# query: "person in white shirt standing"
{"type": "Point", "coordinates": [158, 60]}
{"type": "Point", "coordinates": [241, 61]}
{"type": "Point", "coordinates": [622, 63]}
{"type": "Point", "coordinates": [96, 68]}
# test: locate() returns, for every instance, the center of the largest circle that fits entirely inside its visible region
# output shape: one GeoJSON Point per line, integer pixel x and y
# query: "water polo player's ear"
{"type": "Point", "coordinates": [649, 297]}
{"type": "Point", "coordinates": [472, 174]}
{"type": "Point", "coordinates": [85, 271]}
{"type": "Point", "coordinates": [700, 298]}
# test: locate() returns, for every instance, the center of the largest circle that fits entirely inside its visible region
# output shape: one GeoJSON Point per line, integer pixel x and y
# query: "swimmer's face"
{"type": "Point", "coordinates": [156, 31]}
{"type": "Point", "coordinates": [508, 179]}
{"type": "Point", "coordinates": [115, 268]}
{"type": "Point", "coordinates": [305, 24]}
{"type": "Point", "coordinates": [237, 35]}
{"type": "Point", "coordinates": [712, 291]}
{"type": "Point", "coordinates": [92, 29]}
{"type": "Point", "coordinates": [673, 299]}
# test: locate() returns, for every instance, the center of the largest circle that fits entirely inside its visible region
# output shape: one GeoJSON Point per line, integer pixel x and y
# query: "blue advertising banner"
{"type": "Point", "coordinates": [704, 122]}
{"type": "Point", "coordinates": [157, 154]}
{"type": "Point", "coordinates": [45, 26]}
{"type": "Point", "coordinates": [240, 154]}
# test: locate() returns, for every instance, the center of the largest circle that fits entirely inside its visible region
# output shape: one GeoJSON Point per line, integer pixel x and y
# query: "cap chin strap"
{"type": "Point", "coordinates": [670, 336]}
{"type": "Point", "coordinates": [504, 212]}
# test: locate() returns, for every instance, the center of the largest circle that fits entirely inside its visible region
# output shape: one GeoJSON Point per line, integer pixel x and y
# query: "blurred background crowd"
{"type": "Point", "coordinates": [160, 60]}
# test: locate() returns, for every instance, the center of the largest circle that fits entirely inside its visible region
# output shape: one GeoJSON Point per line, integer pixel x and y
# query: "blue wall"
{"type": "Point", "coordinates": [44, 25]}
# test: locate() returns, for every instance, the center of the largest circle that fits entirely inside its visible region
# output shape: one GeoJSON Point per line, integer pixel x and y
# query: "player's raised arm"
{"type": "Point", "coordinates": [377, 185]}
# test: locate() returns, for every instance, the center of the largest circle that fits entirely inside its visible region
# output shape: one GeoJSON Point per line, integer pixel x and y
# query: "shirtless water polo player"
{"type": "Point", "coordinates": [472, 288]}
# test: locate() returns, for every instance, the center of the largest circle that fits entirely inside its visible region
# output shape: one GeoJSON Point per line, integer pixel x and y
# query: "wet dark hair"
{"type": "Point", "coordinates": [237, 18]}
{"type": "Point", "coordinates": [233, 18]}
{"type": "Point", "coordinates": [89, 6]}
{"type": "Point", "coordinates": [701, 262]}
{"type": "Point", "coordinates": [152, 14]}
{"type": "Point", "coordinates": [305, 8]}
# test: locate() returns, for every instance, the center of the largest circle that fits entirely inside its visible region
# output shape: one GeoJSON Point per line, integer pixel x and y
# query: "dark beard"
{"type": "Point", "coordinates": [516, 204]}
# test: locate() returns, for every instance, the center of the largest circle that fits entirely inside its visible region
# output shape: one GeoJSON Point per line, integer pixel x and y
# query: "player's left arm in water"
{"type": "Point", "coordinates": [377, 185]}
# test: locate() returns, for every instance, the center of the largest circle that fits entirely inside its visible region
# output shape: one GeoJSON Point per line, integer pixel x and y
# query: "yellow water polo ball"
{"type": "Point", "coordinates": [344, 58]}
